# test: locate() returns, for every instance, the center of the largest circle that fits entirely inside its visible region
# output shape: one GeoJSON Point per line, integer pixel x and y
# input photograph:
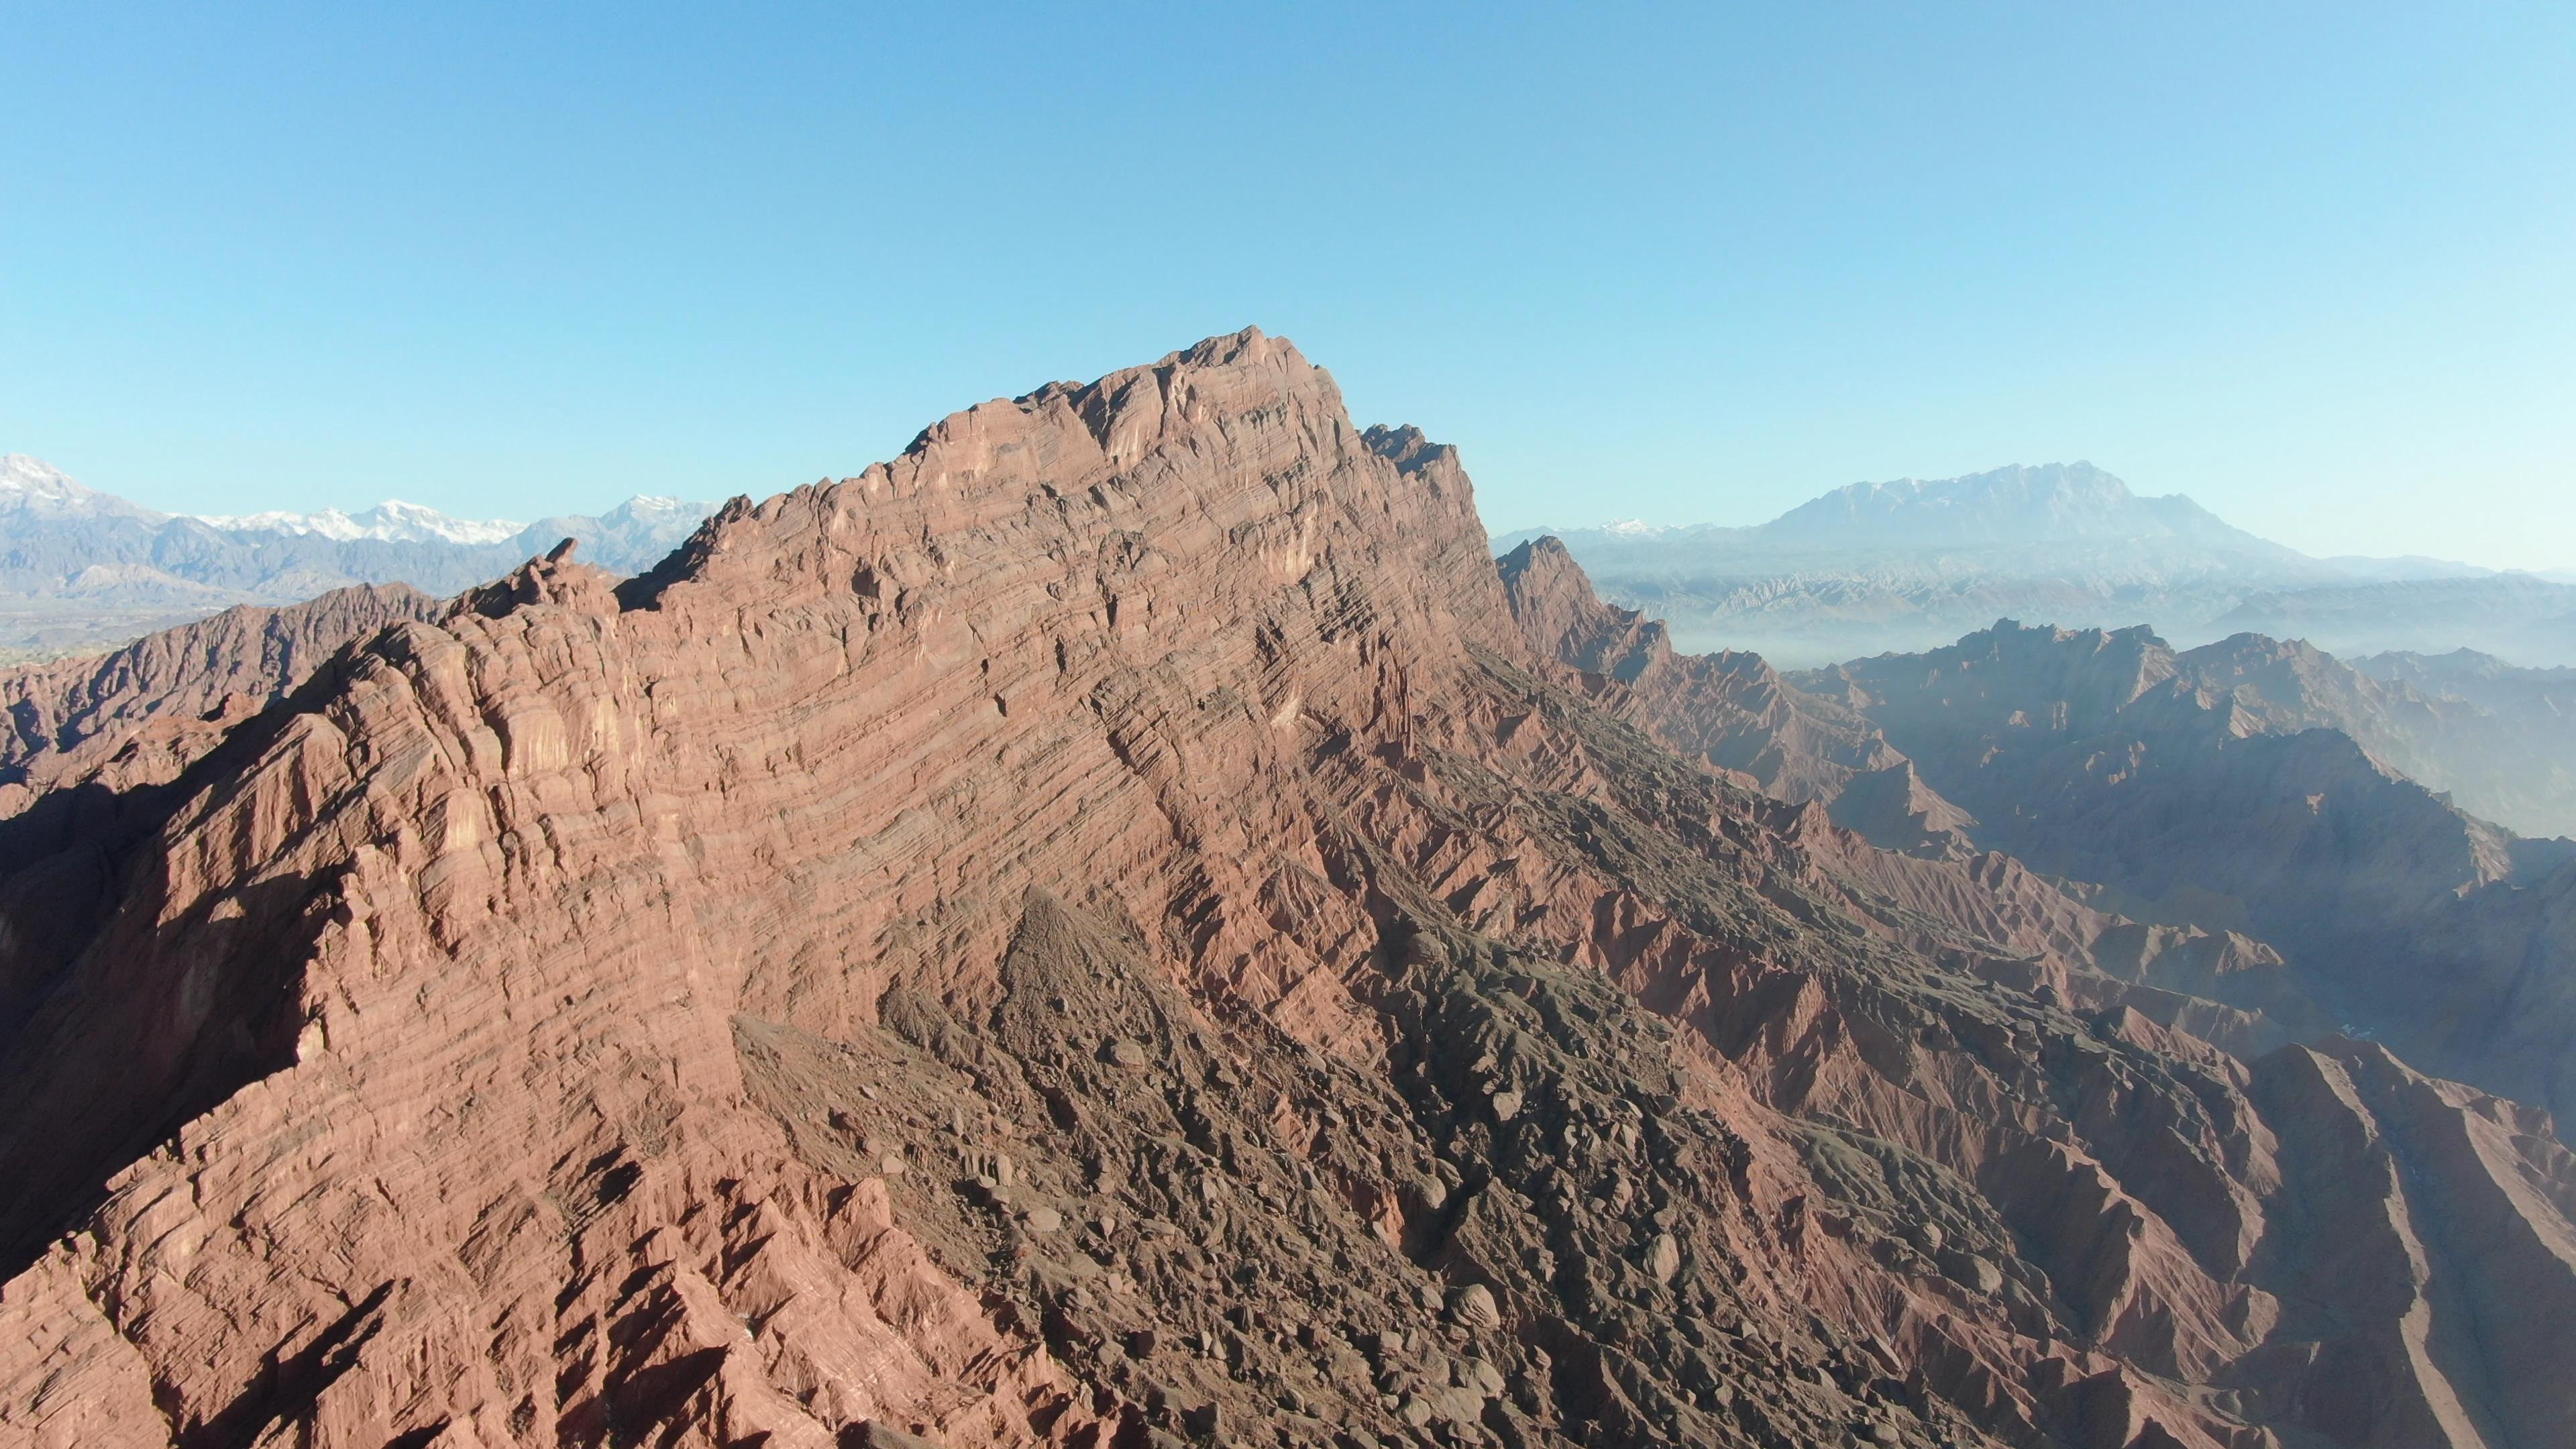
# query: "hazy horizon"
{"type": "Point", "coordinates": [1498, 528]}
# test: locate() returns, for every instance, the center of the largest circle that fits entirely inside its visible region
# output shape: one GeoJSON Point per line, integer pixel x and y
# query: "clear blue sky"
{"type": "Point", "coordinates": [2313, 264]}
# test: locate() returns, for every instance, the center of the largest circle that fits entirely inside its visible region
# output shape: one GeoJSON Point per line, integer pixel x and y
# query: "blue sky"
{"type": "Point", "coordinates": [2314, 265]}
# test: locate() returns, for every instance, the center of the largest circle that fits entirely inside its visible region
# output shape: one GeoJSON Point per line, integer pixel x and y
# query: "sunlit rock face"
{"type": "Point", "coordinates": [1122, 926]}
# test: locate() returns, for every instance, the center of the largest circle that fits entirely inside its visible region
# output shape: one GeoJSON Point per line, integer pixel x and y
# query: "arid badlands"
{"type": "Point", "coordinates": [1128, 926]}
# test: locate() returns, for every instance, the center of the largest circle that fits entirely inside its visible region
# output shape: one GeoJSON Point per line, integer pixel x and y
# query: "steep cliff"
{"type": "Point", "coordinates": [1105, 929]}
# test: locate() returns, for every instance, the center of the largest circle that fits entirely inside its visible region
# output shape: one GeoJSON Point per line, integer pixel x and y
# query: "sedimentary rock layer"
{"type": "Point", "coordinates": [1106, 929]}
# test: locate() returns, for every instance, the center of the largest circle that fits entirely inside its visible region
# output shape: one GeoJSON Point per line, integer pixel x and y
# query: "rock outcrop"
{"type": "Point", "coordinates": [146, 711]}
{"type": "Point", "coordinates": [1106, 930]}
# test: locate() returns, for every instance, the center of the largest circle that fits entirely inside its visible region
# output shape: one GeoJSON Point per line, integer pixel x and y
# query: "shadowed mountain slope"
{"type": "Point", "coordinates": [2503, 740]}
{"type": "Point", "coordinates": [1731, 711]}
{"type": "Point", "coordinates": [2220, 787]}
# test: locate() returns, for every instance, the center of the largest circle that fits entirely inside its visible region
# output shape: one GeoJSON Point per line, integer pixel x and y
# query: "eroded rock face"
{"type": "Point", "coordinates": [143, 713]}
{"type": "Point", "coordinates": [1730, 710]}
{"type": "Point", "coordinates": [1927, 885]}
{"type": "Point", "coordinates": [1107, 930]}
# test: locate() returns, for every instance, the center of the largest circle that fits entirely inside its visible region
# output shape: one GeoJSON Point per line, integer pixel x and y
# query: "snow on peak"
{"type": "Point", "coordinates": [35, 487]}
{"type": "Point", "coordinates": [392, 520]}
{"type": "Point", "coordinates": [656, 511]}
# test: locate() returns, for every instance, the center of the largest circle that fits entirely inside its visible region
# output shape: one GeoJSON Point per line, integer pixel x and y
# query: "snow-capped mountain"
{"type": "Point", "coordinates": [81, 569]}
{"type": "Point", "coordinates": [653, 508]}
{"type": "Point", "coordinates": [392, 520]}
{"type": "Point", "coordinates": [33, 488]}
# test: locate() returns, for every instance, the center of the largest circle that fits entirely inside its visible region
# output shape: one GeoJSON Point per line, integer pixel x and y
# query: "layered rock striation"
{"type": "Point", "coordinates": [1121, 926]}
{"type": "Point", "coordinates": [145, 711]}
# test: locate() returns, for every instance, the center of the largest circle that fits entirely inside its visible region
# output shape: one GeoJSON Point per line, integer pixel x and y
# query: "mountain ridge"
{"type": "Point", "coordinates": [2016, 503]}
{"type": "Point", "coordinates": [83, 572]}
{"type": "Point", "coordinates": [2224, 787]}
{"type": "Point", "coordinates": [1119, 926]}
{"type": "Point", "coordinates": [393, 520]}
{"type": "Point", "coordinates": [30, 485]}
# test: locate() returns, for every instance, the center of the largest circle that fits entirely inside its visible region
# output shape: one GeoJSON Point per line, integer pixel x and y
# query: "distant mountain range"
{"type": "Point", "coordinates": [1906, 565]}
{"type": "Point", "coordinates": [2261, 786]}
{"type": "Point", "coordinates": [1913, 564]}
{"type": "Point", "coordinates": [392, 520]}
{"type": "Point", "coordinates": [82, 570]}
{"type": "Point", "coordinates": [2058, 503]}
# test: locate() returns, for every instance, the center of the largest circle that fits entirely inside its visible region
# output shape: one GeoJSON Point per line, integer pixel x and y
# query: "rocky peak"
{"type": "Point", "coordinates": [1557, 610]}
{"type": "Point", "coordinates": [1055, 450]}
{"type": "Point", "coordinates": [1106, 929]}
{"type": "Point", "coordinates": [2011, 676]}
{"type": "Point", "coordinates": [551, 578]}
{"type": "Point", "coordinates": [33, 488]}
{"type": "Point", "coordinates": [1409, 450]}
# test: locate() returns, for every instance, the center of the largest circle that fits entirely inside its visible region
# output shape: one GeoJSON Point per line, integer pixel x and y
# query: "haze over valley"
{"type": "Point", "coordinates": [82, 570]}
{"type": "Point", "coordinates": [1913, 565]}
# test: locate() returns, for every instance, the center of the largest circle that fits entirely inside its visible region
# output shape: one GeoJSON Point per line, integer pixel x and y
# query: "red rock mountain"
{"type": "Point", "coordinates": [1121, 926]}
{"type": "Point", "coordinates": [148, 709]}
{"type": "Point", "coordinates": [1730, 711]}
